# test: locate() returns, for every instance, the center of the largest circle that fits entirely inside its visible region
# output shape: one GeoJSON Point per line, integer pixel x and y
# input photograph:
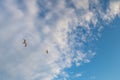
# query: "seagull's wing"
{"type": "Point", "coordinates": [25, 43]}
{"type": "Point", "coordinates": [47, 51]}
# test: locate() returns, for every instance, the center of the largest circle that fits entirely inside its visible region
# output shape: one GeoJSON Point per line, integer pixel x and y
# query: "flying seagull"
{"type": "Point", "coordinates": [25, 43]}
{"type": "Point", "coordinates": [47, 51]}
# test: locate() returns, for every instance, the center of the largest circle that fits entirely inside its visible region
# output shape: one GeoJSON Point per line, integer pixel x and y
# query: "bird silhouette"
{"type": "Point", "coordinates": [25, 43]}
{"type": "Point", "coordinates": [47, 51]}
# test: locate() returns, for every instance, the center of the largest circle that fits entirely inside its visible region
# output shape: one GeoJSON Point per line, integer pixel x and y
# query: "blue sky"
{"type": "Point", "coordinates": [107, 60]}
{"type": "Point", "coordinates": [81, 36]}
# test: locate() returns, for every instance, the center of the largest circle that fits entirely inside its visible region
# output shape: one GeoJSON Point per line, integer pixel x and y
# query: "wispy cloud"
{"type": "Point", "coordinates": [112, 11]}
{"type": "Point", "coordinates": [46, 25]}
{"type": "Point", "coordinates": [78, 75]}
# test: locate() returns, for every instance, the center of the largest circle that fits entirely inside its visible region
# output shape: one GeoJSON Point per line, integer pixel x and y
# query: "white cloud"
{"type": "Point", "coordinates": [81, 4]}
{"type": "Point", "coordinates": [49, 32]}
{"type": "Point", "coordinates": [113, 10]}
{"type": "Point", "coordinates": [79, 57]}
{"type": "Point", "coordinates": [78, 75]}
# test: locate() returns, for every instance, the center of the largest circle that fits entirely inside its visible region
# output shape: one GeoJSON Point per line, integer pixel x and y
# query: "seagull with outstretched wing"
{"type": "Point", "coordinates": [25, 43]}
